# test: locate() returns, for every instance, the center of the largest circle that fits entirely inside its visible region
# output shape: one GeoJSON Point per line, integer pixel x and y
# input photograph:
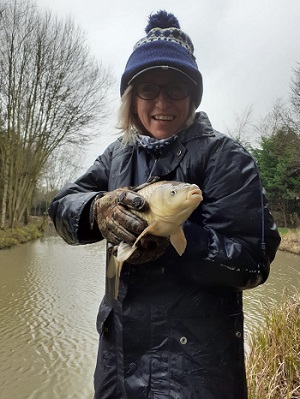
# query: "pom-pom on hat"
{"type": "Point", "coordinates": [165, 46]}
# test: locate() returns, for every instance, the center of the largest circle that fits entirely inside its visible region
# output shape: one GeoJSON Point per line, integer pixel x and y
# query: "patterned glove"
{"type": "Point", "coordinates": [117, 223]}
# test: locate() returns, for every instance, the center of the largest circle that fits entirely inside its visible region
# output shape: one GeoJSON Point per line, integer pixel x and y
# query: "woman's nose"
{"type": "Point", "coordinates": [162, 98]}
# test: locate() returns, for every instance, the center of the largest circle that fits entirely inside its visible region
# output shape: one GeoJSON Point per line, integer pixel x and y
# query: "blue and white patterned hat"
{"type": "Point", "coordinates": [165, 46]}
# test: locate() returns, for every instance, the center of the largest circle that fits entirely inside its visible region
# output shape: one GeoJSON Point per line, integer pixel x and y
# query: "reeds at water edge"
{"type": "Point", "coordinates": [273, 361]}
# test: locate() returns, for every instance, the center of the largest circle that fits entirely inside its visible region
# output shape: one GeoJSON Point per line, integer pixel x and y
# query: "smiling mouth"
{"type": "Point", "coordinates": [163, 117]}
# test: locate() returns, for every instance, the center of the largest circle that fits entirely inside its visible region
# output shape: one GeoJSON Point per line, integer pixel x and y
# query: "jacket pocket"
{"type": "Point", "coordinates": [105, 310]}
{"type": "Point", "coordinates": [209, 345]}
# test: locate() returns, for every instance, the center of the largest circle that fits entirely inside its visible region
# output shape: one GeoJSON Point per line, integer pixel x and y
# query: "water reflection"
{"type": "Point", "coordinates": [284, 278]}
{"type": "Point", "coordinates": [50, 293]}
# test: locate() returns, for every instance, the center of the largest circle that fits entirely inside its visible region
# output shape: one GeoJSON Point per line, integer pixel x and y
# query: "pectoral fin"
{"type": "Point", "coordinates": [151, 229]}
{"type": "Point", "coordinates": [114, 271]}
{"type": "Point", "coordinates": [178, 241]}
{"type": "Point", "coordinates": [111, 267]}
{"type": "Point", "coordinates": [119, 266]}
{"type": "Point", "coordinates": [125, 251]}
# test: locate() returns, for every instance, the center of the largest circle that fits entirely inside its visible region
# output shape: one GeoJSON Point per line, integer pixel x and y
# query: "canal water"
{"type": "Point", "coordinates": [50, 293]}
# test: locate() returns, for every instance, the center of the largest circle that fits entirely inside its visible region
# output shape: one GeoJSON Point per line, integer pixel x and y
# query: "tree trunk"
{"type": "Point", "coordinates": [5, 179]}
{"type": "Point", "coordinates": [52, 92]}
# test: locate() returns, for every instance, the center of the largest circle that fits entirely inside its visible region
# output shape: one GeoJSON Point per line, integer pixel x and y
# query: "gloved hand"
{"type": "Point", "coordinates": [115, 220]}
{"type": "Point", "coordinates": [118, 223]}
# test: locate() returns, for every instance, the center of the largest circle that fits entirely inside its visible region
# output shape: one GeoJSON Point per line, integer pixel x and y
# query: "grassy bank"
{"type": "Point", "coordinates": [290, 240]}
{"type": "Point", "coordinates": [10, 237]}
{"type": "Point", "coordinates": [273, 362]}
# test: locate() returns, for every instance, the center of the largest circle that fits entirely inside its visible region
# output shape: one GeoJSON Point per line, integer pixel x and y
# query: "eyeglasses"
{"type": "Point", "coordinates": [174, 90]}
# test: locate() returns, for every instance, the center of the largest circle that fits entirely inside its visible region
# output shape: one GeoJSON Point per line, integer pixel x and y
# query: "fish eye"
{"type": "Point", "coordinates": [173, 192]}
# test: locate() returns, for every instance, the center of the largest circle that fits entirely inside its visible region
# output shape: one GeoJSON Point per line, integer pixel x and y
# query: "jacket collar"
{"type": "Point", "coordinates": [168, 160]}
{"type": "Point", "coordinates": [200, 128]}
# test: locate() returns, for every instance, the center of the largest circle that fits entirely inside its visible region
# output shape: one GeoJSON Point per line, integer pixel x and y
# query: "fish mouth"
{"type": "Point", "coordinates": [196, 192]}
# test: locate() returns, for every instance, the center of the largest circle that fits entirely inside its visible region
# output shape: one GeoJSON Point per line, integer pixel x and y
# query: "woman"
{"type": "Point", "coordinates": [174, 328]}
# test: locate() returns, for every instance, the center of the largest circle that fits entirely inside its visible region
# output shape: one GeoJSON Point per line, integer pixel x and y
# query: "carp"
{"type": "Point", "coordinates": [170, 203]}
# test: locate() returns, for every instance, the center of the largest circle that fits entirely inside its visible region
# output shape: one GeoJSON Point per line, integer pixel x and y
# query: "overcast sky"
{"type": "Point", "coordinates": [245, 49]}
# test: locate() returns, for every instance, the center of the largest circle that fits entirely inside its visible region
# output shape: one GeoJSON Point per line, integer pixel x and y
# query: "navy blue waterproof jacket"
{"type": "Point", "coordinates": [176, 328]}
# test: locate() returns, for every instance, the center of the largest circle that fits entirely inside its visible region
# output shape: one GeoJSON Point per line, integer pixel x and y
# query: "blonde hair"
{"type": "Point", "coordinates": [128, 122]}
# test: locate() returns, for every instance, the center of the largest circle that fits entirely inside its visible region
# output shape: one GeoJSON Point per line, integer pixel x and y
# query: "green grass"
{"type": "Point", "coordinates": [10, 237]}
{"type": "Point", "coordinates": [273, 362]}
{"type": "Point", "coordinates": [283, 231]}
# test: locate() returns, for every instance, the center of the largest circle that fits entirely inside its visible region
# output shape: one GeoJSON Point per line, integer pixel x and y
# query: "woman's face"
{"type": "Point", "coordinates": [162, 116]}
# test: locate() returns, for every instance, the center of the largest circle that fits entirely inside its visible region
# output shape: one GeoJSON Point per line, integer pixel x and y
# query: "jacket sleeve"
{"type": "Point", "coordinates": [232, 238]}
{"type": "Point", "coordinates": [70, 208]}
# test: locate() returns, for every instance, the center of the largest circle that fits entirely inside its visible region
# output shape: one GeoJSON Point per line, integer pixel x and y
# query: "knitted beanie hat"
{"type": "Point", "coordinates": [165, 46]}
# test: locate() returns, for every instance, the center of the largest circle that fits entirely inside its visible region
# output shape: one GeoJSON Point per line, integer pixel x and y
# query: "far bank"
{"type": "Point", "coordinates": [290, 238]}
{"type": "Point", "coordinates": [10, 237]}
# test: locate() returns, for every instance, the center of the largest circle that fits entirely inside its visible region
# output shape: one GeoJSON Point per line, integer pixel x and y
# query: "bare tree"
{"type": "Point", "coordinates": [280, 117]}
{"type": "Point", "coordinates": [242, 131]}
{"type": "Point", "coordinates": [52, 92]}
{"type": "Point", "coordinates": [62, 166]}
{"type": "Point", "coordinates": [295, 96]}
